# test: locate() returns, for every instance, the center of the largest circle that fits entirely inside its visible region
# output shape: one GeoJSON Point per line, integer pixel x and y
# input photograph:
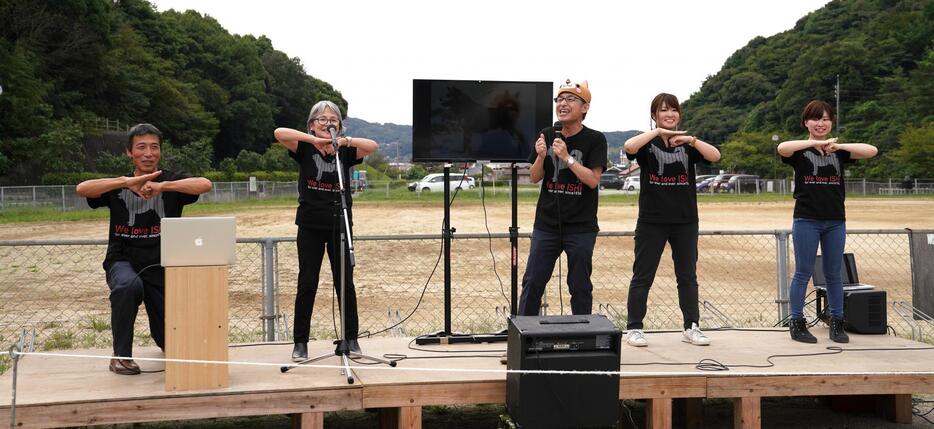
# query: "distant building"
{"type": "Point", "coordinates": [402, 166]}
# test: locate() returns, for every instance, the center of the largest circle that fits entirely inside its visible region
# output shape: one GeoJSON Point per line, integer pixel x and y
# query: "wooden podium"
{"type": "Point", "coordinates": [196, 327]}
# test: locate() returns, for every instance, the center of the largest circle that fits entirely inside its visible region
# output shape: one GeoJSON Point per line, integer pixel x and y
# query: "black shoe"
{"type": "Point", "coordinates": [799, 331]}
{"type": "Point", "coordinates": [300, 352]}
{"type": "Point", "coordinates": [837, 332]}
{"type": "Point", "coordinates": [353, 346]}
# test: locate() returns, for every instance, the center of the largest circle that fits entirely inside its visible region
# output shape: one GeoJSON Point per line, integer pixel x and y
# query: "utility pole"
{"type": "Point", "coordinates": [839, 115]}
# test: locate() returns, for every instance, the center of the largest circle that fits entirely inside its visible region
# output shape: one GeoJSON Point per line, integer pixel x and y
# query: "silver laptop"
{"type": "Point", "coordinates": [848, 274]}
{"type": "Point", "coordinates": [195, 241]}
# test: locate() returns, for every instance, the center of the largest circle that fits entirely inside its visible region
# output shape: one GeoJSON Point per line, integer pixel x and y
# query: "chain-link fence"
{"type": "Point", "coordinates": [58, 288]}
{"type": "Point", "coordinates": [64, 197]}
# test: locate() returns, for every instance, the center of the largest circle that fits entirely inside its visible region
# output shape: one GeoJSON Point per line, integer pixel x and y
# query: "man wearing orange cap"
{"type": "Point", "coordinates": [570, 159]}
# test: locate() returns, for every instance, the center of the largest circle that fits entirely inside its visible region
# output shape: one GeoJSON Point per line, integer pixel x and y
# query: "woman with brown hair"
{"type": "Point", "coordinates": [667, 214]}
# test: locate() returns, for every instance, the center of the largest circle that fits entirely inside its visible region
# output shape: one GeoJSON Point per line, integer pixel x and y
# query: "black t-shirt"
{"type": "Point", "coordinates": [564, 198]}
{"type": "Point", "coordinates": [668, 193]}
{"type": "Point", "coordinates": [819, 185]}
{"type": "Point", "coordinates": [318, 187]}
{"type": "Point", "coordinates": [135, 225]}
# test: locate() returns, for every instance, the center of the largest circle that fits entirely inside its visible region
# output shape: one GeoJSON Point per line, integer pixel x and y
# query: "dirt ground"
{"type": "Point", "coordinates": [384, 219]}
{"type": "Point", "coordinates": [393, 276]}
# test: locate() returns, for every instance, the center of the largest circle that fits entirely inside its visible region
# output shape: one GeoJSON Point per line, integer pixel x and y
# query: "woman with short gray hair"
{"type": "Point", "coordinates": [317, 216]}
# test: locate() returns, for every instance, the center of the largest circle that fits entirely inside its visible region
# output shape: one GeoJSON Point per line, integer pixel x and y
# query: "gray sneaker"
{"type": "Point", "coordinates": [695, 336]}
{"type": "Point", "coordinates": [636, 338]}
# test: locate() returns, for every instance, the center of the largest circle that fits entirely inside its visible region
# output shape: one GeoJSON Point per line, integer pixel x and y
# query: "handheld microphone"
{"type": "Point", "coordinates": [333, 130]}
{"type": "Point", "coordinates": [557, 127]}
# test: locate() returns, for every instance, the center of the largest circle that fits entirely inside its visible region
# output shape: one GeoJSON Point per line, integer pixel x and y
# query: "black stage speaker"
{"type": "Point", "coordinates": [864, 311]}
{"type": "Point", "coordinates": [563, 343]}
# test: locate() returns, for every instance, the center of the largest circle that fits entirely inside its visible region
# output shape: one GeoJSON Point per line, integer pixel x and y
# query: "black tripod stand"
{"type": "Point", "coordinates": [446, 336]}
{"type": "Point", "coordinates": [343, 347]}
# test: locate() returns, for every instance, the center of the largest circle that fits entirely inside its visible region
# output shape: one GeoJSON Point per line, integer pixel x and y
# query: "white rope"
{"type": "Point", "coordinates": [732, 373]}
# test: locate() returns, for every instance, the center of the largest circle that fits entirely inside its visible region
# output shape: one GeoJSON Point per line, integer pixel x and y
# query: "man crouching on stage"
{"type": "Point", "coordinates": [137, 204]}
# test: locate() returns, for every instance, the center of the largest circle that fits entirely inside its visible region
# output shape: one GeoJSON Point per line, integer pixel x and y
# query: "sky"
{"type": "Point", "coordinates": [628, 51]}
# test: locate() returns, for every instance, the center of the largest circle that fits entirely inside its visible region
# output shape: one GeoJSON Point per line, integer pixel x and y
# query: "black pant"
{"type": "Point", "coordinates": [311, 246]}
{"type": "Point", "coordinates": [127, 291]}
{"type": "Point", "coordinates": [650, 243]}
{"type": "Point", "coordinates": [544, 251]}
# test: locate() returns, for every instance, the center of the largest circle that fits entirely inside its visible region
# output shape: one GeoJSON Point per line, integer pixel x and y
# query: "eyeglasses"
{"type": "Point", "coordinates": [569, 99]}
{"type": "Point", "coordinates": [321, 120]}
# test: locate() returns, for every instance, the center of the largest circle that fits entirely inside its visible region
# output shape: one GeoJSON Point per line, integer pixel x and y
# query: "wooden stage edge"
{"type": "Point", "coordinates": [60, 392]}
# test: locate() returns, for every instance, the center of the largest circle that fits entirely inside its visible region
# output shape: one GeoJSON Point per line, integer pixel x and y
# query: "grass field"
{"type": "Point", "coordinates": [404, 197]}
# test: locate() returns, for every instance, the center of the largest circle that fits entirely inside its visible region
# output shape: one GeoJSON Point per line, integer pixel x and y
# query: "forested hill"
{"type": "Point", "coordinates": [68, 65]}
{"type": "Point", "coordinates": [883, 52]}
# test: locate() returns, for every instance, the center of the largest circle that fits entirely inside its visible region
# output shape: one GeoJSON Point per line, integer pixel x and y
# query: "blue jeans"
{"type": "Point", "coordinates": [807, 234]}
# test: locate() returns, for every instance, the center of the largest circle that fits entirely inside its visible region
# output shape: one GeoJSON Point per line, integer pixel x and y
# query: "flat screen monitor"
{"type": "Point", "coordinates": [469, 120]}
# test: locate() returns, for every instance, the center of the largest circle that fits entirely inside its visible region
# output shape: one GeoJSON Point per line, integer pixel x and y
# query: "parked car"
{"type": "Point", "coordinates": [741, 183]}
{"type": "Point", "coordinates": [718, 181]}
{"type": "Point", "coordinates": [610, 179]}
{"type": "Point", "coordinates": [435, 183]}
{"type": "Point", "coordinates": [704, 185]}
{"type": "Point", "coordinates": [632, 183]}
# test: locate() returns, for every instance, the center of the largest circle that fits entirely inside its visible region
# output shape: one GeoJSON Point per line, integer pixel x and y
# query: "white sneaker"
{"type": "Point", "coordinates": [636, 338]}
{"type": "Point", "coordinates": [695, 336]}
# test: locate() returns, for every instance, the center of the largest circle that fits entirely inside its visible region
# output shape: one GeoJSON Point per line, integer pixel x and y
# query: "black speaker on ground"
{"type": "Point", "coordinates": [563, 343]}
{"type": "Point", "coordinates": [865, 311]}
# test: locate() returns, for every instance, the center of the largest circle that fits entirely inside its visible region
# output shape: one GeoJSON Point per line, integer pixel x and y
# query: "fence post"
{"type": "Point", "coordinates": [781, 273]}
{"type": "Point", "coordinates": [269, 308]}
{"type": "Point", "coordinates": [63, 197]}
{"type": "Point", "coordinates": [864, 186]}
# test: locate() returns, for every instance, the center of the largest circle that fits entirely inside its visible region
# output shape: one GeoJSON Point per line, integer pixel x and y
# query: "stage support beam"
{"type": "Point", "coordinates": [308, 421]}
{"type": "Point", "coordinates": [747, 412]}
{"type": "Point", "coordinates": [658, 413]}
{"type": "Point", "coordinates": [400, 418]}
{"type": "Point", "coordinates": [896, 408]}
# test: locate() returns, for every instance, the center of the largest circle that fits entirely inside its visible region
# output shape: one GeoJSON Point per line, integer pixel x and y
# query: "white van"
{"type": "Point", "coordinates": [435, 183]}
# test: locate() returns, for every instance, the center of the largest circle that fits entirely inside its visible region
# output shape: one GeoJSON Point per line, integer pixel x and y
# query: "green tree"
{"type": "Point", "coordinates": [915, 152]}
{"type": "Point", "coordinates": [752, 153]}
{"type": "Point", "coordinates": [113, 163]}
{"type": "Point", "coordinates": [229, 167]}
{"type": "Point", "coordinates": [277, 158]}
{"type": "Point", "coordinates": [882, 52]}
{"type": "Point", "coordinates": [416, 172]}
{"type": "Point", "coordinates": [248, 161]}
{"type": "Point", "coordinates": [193, 158]}
{"type": "Point", "coordinates": [85, 60]}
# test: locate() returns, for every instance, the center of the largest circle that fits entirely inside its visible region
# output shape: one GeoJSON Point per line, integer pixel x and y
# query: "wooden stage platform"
{"type": "Point", "coordinates": [60, 391]}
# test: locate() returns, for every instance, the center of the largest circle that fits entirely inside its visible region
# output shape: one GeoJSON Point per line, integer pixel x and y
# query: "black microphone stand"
{"type": "Point", "coordinates": [343, 348]}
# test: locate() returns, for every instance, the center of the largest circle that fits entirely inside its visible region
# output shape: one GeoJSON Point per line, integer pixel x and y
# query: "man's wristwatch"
{"type": "Point", "coordinates": [570, 161]}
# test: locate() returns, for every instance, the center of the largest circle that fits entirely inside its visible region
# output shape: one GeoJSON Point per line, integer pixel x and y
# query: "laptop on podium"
{"type": "Point", "coordinates": [198, 241]}
{"type": "Point", "coordinates": [848, 274]}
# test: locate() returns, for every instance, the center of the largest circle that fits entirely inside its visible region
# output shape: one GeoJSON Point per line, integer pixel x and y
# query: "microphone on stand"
{"type": "Point", "coordinates": [333, 130]}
